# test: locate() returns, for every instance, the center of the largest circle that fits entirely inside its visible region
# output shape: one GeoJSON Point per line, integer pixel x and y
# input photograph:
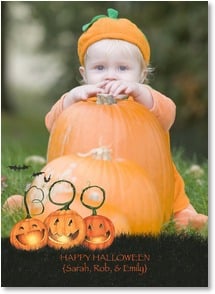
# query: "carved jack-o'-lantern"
{"type": "Point", "coordinates": [30, 233]}
{"type": "Point", "coordinates": [100, 231]}
{"type": "Point", "coordinates": [66, 228]}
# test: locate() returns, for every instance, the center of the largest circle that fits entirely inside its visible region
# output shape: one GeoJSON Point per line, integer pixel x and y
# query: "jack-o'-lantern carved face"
{"type": "Point", "coordinates": [29, 234]}
{"type": "Point", "coordinates": [100, 232]}
{"type": "Point", "coordinates": [66, 229]}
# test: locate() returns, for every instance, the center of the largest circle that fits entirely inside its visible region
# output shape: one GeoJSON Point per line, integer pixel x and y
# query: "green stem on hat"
{"type": "Point", "coordinates": [66, 204]}
{"type": "Point", "coordinates": [33, 201]}
{"type": "Point", "coordinates": [94, 208]}
{"type": "Point", "coordinates": [112, 13]}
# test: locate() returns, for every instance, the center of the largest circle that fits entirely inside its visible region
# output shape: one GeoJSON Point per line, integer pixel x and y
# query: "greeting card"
{"type": "Point", "coordinates": [93, 194]}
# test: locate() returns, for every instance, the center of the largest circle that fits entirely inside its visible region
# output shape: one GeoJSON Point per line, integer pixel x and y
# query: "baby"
{"type": "Point", "coordinates": [114, 58]}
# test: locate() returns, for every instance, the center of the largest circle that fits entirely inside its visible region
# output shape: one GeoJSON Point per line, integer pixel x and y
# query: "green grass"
{"type": "Point", "coordinates": [195, 176]}
{"type": "Point", "coordinates": [24, 136]}
{"type": "Point", "coordinates": [21, 137]}
{"type": "Point", "coordinates": [196, 183]}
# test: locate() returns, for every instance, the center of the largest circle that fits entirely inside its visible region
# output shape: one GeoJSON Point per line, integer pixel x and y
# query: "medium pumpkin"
{"type": "Point", "coordinates": [127, 127]}
{"type": "Point", "coordinates": [66, 228]}
{"type": "Point", "coordinates": [132, 202]}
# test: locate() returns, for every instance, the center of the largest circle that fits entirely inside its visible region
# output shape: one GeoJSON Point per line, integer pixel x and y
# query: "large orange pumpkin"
{"type": "Point", "coordinates": [132, 202]}
{"type": "Point", "coordinates": [127, 127]}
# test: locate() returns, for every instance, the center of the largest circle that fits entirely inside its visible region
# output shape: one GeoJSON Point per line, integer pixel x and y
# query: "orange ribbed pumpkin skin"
{"type": "Point", "coordinates": [127, 128]}
{"type": "Point", "coordinates": [131, 202]}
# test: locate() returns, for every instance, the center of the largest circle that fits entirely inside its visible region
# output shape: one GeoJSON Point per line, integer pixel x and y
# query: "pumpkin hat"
{"type": "Point", "coordinates": [111, 27]}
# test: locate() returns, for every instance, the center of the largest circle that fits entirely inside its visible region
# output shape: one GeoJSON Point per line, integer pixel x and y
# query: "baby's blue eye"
{"type": "Point", "coordinates": [122, 67]}
{"type": "Point", "coordinates": [100, 67]}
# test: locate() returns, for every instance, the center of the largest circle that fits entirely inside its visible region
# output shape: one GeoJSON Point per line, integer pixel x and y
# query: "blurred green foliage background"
{"type": "Point", "coordinates": [40, 63]}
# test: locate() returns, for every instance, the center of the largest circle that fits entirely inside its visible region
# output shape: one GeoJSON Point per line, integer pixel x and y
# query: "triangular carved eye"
{"type": "Point", "coordinates": [90, 228]}
{"type": "Point", "coordinates": [56, 222]}
{"type": "Point", "coordinates": [70, 222]}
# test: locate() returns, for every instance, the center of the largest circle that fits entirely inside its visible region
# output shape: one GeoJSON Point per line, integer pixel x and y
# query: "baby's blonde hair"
{"type": "Point", "coordinates": [109, 45]}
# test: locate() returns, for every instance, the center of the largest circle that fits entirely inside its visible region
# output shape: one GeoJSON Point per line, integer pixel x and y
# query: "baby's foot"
{"type": "Point", "coordinates": [189, 217]}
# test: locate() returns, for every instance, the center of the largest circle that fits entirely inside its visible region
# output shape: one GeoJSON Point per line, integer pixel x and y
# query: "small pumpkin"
{"type": "Point", "coordinates": [66, 228]}
{"type": "Point", "coordinates": [30, 233]}
{"type": "Point", "coordinates": [100, 231]}
{"type": "Point", "coordinates": [14, 203]}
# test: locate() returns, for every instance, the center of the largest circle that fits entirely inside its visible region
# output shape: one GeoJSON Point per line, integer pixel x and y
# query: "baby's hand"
{"type": "Point", "coordinates": [117, 87]}
{"type": "Point", "coordinates": [138, 91]}
{"type": "Point", "coordinates": [82, 93]}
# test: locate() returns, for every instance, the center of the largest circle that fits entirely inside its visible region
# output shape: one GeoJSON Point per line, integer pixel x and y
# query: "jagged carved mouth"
{"type": "Point", "coordinates": [31, 238]}
{"type": "Point", "coordinates": [98, 239]}
{"type": "Point", "coordinates": [63, 239]}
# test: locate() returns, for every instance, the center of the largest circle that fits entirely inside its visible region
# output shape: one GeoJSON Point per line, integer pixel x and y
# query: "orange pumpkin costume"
{"type": "Point", "coordinates": [111, 27]}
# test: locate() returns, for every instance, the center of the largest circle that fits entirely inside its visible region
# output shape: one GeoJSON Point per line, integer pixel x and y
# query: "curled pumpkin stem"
{"type": "Point", "coordinates": [36, 200]}
{"type": "Point", "coordinates": [94, 208]}
{"type": "Point", "coordinates": [67, 203]}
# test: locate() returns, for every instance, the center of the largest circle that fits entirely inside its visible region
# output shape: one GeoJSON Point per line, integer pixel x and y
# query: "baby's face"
{"type": "Point", "coordinates": [101, 65]}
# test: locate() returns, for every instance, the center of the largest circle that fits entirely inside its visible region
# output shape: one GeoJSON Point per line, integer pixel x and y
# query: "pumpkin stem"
{"type": "Point", "coordinates": [100, 153]}
{"type": "Point", "coordinates": [66, 204]}
{"type": "Point", "coordinates": [34, 200]}
{"type": "Point", "coordinates": [94, 212]}
{"type": "Point", "coordinates": [105, 99]}
{"type": "Point", "coordinates": [94, 208]}
{"type": "Point", "coordinates": [109, 99]}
